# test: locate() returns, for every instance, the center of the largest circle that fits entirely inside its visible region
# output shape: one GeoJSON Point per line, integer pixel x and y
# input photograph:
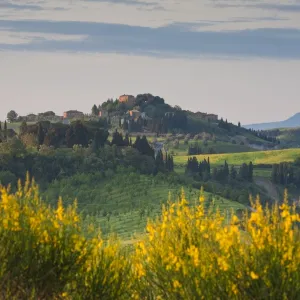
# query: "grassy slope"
{"type": "Point", "coordinates": [258, 157]}
{"type": "Point", "coordinates": [290, 136]}
{"type": "Point", "coordinates": [219, 147]}
{"type": "Point", "coordinates": [123, 204]}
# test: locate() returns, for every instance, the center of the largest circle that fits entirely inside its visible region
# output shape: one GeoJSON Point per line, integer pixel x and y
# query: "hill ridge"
{"type": "Point", "coordinates": [292, 122]}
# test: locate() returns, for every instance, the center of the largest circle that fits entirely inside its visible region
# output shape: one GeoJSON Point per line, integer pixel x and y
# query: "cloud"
{"type": "Point", "coordinates": [126, 2]}
{"type": "Point", "coordinates": [23, 38]}
{"type": "Point", "coordinates": [21, 6]}
{"type": "Point", "coordinates": [177, 39]}
{"type": "Point", "coordinates": [280, 7]}
{"type": "Point", "coordinates": [130, 3]}
{"type": "Point", "coordinates": [292, 7]}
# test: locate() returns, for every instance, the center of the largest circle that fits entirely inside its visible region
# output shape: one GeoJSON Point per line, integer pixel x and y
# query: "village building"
{"type": "Point", "coordinates": [135, 114]}
{"type": "Point", "coordinates": [128, 99]}
{"type": "Point", "coordinates": [207, 117]}
{"type": "Point", "coordinates": [73, 114]}
{"type": "Point", "coordinates": [103, 113]}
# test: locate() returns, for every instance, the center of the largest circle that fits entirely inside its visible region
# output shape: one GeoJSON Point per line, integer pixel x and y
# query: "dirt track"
{"type": "Point", "coordinates": [269, 187]}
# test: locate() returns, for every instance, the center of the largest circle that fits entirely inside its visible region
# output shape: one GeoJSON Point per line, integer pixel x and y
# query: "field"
{"type": "Point", "coordinates": [123, 203]}
{"type": "Point", "coordinates": [258, 157]}
{"type": "Point", "coordinates": [266, 173]}
{"type": "Point", "coordinates": [218, 147]}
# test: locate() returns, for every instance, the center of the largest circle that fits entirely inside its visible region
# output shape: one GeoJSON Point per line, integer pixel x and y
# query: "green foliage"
{"type": "Point", "coordinates": [45, 254]}
{"type": "Point", "coordinates": [12, 116]}
{"type": "Point", "coordinates": [8, 178]}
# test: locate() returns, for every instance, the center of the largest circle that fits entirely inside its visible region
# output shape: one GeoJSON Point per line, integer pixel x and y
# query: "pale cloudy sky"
{"type": "Point", "coordinates": [237, 58]}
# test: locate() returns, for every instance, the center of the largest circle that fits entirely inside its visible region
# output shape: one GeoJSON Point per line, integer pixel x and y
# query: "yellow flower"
{"type": "Point", "coordinates": [176, 284]}
{"type": "Point", "coordinates": [60, 210]}
{"type": "Point", "coordinates": [253, 275]}
{"type": "Point", "coordinates": [234, 289]}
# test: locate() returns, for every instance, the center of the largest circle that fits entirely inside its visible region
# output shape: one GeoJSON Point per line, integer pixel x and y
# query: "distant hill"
{"type": "Point", "coordinates": [292, 122]}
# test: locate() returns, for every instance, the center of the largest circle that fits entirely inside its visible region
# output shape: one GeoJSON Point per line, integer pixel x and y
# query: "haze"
{"type": "Point", "coordinates": [239, 59]}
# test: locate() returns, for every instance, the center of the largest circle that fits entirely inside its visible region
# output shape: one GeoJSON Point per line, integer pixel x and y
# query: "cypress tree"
{"type": "Point", "coordinates": [126, 140]}
{"type": "Point", "coordinates": [159, 161]}
{"type": "Point", "coordinates": [281, 173]}
{"type": "Point", "coordinates": [97, 141]}
{"type": "Point", "coordinates": [250, 172]}
{"type": "Point", "coordinates": [274, 173]}
{"type": "Point", "coordinates": [40, 135]}
{"type": "Point", "coordinates": [5, 130]}
{"type": "Point", "coordinates": [226, 170]}
{"type": "Point", "coordinates": [233, 173]}
{"type": "Point", "coordinates": [95, 110]}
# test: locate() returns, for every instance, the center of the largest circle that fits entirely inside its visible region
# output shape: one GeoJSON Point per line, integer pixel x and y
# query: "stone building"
{"type": "Point", "coordinates": [73, 114]}
{"type": "Point", "coordinates": [128, 99]}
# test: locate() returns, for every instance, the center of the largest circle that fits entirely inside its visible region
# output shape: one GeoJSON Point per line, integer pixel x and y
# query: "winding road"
{"type": "Point", "coordinates": [269, 187]}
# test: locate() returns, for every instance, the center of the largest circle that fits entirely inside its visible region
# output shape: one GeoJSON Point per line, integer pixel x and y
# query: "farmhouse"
{"type": "Point", "coordinates": [207, 117]}
{"type": "Point", "coordinates": [128, 99]}
{"type": "Point", "coordinates": [73, 114]}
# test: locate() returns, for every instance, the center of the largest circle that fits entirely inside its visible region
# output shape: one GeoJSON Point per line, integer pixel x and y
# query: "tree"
{"type": "Point", "coordinates": [0, 126]}
{"type": "Point", "coordinates": [274, 175]}
{"type": "Point", "coordinates": [40, 134]}
{"type": "Point", "coordinates": [23, 128]}
{"type": "Point", "coordinates": [239, 124]}
{"type": "Point", "coordinates": [126, 140]}
{"type": "Point", "coordinates": [125, 125]}
{"type": "Point", "coordinates": [100, 139]}
{"type": "Point", "coordinates": [159, 162]}
{"type": "Point", "coordinates": [244, 172]}
{"type": "Point", "coordinates": [233, 173]}
{"type": "Point", "coordinates": [5, 130]}
{"type": "Point", "coordinates": [12, 116]}
{"type": "Point", "coordinates": [80, 134]}
{"type": "Point", "coordinates": [169, 163]}
{"type": "Point", "coordinates": [142, 145]}
{"type": "Point", "coordinates": [250, 172]}
{"type": "Point", "coordinates": [226, 170]}
{"type": "Point", "coordinates": [95, 110]}
{"type": "Point", "coordinates": [117, 139]}
{"type": "Point", "coordinates": [70, 140]}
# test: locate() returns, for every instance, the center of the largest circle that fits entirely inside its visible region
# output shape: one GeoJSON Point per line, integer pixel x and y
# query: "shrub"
{"type": "Point", "coordinates": [45, 255]}
{"type": "Point", "coordinates": [192, 255]}
{"type": "Point", "coordinates": [176, 144]}
{"type": "Point", "coordinates": [180, 136]}
{"type": "Point", "coordinates": [7, 177]}
{"type": "Point", "coordinates": [197, 137]}
{"type": "Point", "coordinates": [29, 140]}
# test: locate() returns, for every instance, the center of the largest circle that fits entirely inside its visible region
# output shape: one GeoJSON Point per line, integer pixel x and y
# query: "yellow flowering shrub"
{"type": "Point", "coordinates": [45, 255]}
{"type": "Point", "coordinates": [189, 254]}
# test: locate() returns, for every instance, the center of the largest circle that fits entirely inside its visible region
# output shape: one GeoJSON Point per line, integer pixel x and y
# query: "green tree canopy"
{"type": "Point", "coordinates": [12, 116]}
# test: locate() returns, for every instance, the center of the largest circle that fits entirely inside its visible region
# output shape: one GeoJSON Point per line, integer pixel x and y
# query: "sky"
{"type": "Point", "coordinates": [239, 59]}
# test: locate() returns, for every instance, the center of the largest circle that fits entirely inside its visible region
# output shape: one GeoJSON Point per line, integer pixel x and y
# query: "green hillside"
{"type": "Point", "coordinates": [206, 147]}
{"type": "Point", "coordinates": [123, 203]}
{"type": "Point", "coordinates": [290, 136]}
{"type": "Point", "coordinates": [258, 157]}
